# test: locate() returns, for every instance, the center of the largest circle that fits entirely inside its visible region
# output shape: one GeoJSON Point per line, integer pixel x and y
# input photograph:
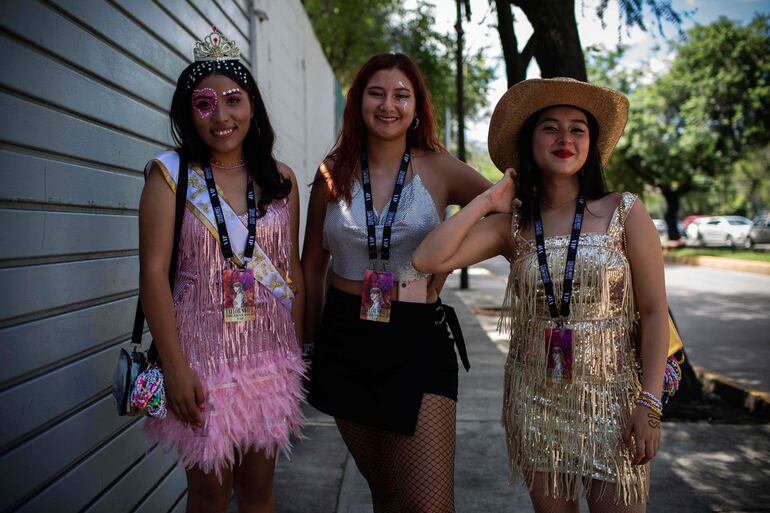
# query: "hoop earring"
{"type": "Point", "coordinates": [416, 123]}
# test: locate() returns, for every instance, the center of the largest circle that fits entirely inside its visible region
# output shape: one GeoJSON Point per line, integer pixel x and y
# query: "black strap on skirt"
{"type": "Point", "coordinates": [449, 316]}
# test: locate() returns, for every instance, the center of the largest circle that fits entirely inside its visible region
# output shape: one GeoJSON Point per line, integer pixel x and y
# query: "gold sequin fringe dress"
{"type": "Point", "coordinates": [570, 429]}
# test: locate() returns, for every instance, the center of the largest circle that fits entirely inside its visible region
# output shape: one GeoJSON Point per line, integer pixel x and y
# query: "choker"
{"type": "Point", "coordinates": [227, 165]}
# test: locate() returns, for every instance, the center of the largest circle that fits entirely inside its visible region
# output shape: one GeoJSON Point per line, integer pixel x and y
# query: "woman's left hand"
{"type": "Point", "coordinates": [644, 427]}
{"type": "Point", "coordinates": [435, 284]}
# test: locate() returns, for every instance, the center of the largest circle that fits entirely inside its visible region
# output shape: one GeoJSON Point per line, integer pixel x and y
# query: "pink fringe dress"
{"type": "Point", "coordinates": [251, 372]}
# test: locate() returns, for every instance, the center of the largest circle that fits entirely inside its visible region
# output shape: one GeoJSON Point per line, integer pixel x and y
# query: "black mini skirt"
{"type": "Point", "coordinates": [376, 373]}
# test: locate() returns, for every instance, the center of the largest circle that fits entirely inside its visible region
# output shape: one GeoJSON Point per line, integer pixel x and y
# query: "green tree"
{"type": "Point", "coordinates": [688, 130]}
{"type": "Point", "coordinates": [351, 31]}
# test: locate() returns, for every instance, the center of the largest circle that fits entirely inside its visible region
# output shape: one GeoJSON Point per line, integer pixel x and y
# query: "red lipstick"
{"type": "Point", "coordinates": [563, 154]}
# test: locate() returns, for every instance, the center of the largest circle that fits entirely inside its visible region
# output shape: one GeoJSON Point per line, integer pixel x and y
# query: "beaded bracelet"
{"type": "Point", "coordinates": [653, 408]}
{"type": "Point", "coordinates": [651, 397]}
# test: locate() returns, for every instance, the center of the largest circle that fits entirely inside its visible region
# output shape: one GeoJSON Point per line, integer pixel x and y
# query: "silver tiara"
{"type": "Point", "coordinates": [216, 47]}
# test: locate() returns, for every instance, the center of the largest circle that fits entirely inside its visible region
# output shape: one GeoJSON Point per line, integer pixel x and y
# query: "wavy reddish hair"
{"type": "Point", "coordinates": [351, 141]}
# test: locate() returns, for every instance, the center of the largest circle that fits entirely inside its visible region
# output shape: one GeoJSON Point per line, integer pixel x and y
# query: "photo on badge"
{"type": "Point", "coordinates": [376, 294]}
{"type": "Point", "coordinates": [558, 350]}
{"type": "Point", "coordinates": [238, 293]}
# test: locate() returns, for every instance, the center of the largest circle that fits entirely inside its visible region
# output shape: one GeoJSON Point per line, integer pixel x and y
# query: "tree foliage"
{"type": "Point", "coordinates": [351, 31]}
{"type": "Point", "coordinates": [700, 130]}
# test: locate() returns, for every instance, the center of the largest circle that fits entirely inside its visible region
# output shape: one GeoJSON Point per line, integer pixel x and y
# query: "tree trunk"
{"type": "Point", "coordinates": [557, 46]}
{"type": "Point", "coordinates": [672, 211]}
{"type": "Point", "coordinates": [516, 62]}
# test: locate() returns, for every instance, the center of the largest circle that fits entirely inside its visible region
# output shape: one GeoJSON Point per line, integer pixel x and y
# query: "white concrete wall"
{"type": "Point", "coordinates": [299, 88]}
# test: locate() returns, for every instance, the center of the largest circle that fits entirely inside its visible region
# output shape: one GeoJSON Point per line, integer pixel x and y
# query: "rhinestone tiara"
{"type": "Point", "coordinates": [216, 47]}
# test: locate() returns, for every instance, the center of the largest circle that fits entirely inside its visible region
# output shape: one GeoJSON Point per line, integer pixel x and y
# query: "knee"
{"type": "Point", "coordinates": [208, 500]}
{"type": "Point", "coordinates": [254, 492]}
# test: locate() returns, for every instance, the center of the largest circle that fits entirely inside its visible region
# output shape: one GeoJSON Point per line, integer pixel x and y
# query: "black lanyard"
{"type": "Point", "coordinates": [224, 238]}
{"type": "Point", "coordinates": [370, 219]}
{"type": "Point", "coordinates": [569, 268]}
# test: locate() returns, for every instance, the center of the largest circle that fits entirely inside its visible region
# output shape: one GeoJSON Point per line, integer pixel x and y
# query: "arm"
{"type": "Point", "coordinates": [315, 259]}
{"type": "Point", "coordinates": [156, 239]}
{"type": "Point", "coordinates": [471, 235]}
{"type": "Point", "coordinates": [648, 277]}
{"type": "Point", "coordinates": [295, 269]}
{"type": "Point", "coordinates": [463, 184]}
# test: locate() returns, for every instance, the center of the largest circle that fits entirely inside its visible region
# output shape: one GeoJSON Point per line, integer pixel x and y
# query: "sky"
{"type": "Point", "coordinates": [481, 32]}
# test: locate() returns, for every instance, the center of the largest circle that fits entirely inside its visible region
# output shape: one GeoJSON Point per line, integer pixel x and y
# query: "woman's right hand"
{"type": "Point", "coordinates": [184, 393]}
{"type": "Point", "coordinates": [501, 195]}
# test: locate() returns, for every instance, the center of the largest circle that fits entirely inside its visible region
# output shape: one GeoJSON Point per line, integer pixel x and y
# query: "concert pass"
{"type": "Point", "coordinates": [376, 295]}
{"type": "Point", "coordinates": [238, 289]}
{"type": "Point", "coordinates": [558, 350]}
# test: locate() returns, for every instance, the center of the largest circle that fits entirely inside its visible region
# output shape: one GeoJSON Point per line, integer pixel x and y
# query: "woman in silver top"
{"type": "Point", "coordinates": [390, 383]}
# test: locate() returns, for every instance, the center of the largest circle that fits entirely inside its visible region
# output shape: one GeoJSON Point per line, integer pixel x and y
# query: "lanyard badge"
{"type": "Point", "coordinates": [238, 285]}
{"type": "Point", "coordinates": [559, 340]}
{"type": "Point", "coordinates": [238, 289]}
{"type": "Point", "coordinates": [377, 288]}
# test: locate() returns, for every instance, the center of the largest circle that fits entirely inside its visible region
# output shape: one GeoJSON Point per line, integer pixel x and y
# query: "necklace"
{"type": "Point", "coordinates": [227, 165]}
{"type": "Point", "coordinates": [558, 206]}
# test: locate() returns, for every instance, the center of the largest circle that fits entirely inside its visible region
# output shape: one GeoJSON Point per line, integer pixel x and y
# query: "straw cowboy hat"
{"type": "Point", "coordinates": [608, 106]}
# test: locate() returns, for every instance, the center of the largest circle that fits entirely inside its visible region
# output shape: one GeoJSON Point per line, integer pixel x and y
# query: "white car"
{"type": "Point", "coordinates": [692, 232]}
{"type": "Point", "coordinates": [729, 231]}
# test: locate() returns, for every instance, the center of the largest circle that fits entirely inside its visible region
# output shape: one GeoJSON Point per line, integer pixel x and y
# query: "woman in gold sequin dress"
{"type": "Point", "coordinates": [576, 413]}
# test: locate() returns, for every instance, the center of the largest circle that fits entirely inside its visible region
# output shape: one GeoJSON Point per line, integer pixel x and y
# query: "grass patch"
{"type": "Point", "coordinates": [742, 254]}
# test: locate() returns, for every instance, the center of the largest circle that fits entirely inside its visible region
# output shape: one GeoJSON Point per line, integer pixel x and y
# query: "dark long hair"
{"type": "Point", "coordinates": [529, 178]}
{"type": "Point", "coordinates": [351, 142]}
{"type": "Point", "coordinates": [259, 140]}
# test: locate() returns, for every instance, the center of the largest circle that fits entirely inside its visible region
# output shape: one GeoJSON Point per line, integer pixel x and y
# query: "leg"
{"type": "Point", "coordinates": [601, 499]}
{"type": "Point", "coordinates": [205, 494]}
{"type": "Point", "coordinates": [544, 503]}
{"type": "Point", "coordinates": [425, 460]}
{"type": "Point", "coordinates": [253, 483]}
{"type": "Point", "coordinates": [371, 451]}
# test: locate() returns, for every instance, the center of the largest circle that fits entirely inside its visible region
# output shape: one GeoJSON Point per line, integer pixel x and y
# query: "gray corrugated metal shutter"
{"type": "Point", "coordinates": [84, 91]}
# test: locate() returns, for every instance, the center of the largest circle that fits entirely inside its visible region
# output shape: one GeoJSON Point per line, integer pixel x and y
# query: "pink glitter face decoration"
{"type": "Point", "coordinates": [204, 101]}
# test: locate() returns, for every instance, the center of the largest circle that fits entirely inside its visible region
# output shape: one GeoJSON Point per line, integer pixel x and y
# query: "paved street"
{"type": "Point", "coordinates": [724, 317]}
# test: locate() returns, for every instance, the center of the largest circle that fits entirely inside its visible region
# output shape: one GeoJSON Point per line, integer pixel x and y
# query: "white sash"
{"type": "Point", "coordinates": [199, 203]}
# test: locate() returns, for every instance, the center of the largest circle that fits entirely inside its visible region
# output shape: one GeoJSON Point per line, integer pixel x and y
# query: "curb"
{"type": "Point", "coordinates": [753, 401]}
{"type": "Point", "coordinates": [731, 264]}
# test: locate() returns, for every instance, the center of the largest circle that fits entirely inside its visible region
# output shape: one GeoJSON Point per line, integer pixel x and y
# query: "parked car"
{"type": "Point", "coordinates": [692, 228]}
{"type": "Point", "coordinates": [760, 230]}
{"type": "Point", "coordinates": [729, 231]}
{"type": "Point", "coordinates": [686, 222]}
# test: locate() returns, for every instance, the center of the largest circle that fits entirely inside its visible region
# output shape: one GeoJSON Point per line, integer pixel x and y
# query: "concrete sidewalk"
{"type": "Point", "coordinates": [701, 467]}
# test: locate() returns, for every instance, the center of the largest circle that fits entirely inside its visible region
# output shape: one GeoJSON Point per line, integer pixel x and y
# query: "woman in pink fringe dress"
{"type": "Point", "coordinates": [233, 367]}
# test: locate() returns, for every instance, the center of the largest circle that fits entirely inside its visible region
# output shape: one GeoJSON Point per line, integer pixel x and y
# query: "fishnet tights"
{"type": "Point", "coordinates": [598, 501]}
{"type": "Point", "coordinates": [408, 474]}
